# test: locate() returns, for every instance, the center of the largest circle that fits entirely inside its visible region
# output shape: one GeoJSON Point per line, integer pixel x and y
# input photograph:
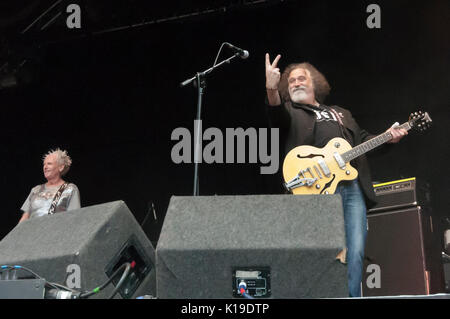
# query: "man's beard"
{"type": "Point", "coordinates": [299, 95]}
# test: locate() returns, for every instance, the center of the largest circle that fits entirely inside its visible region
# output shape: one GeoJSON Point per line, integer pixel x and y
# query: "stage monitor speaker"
{"type": "Point", "coordinates": [401, 255]}
{"type": "Point", "coordinates": [83, 248]}
{"type": "Point", "coordinates": [279, 246]}
{"type": "Point", "coordinates": [447, 277]}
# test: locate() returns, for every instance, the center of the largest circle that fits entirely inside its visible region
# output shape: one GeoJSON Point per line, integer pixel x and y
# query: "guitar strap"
{"type": "Point", "coordinates": [337, 116]}
{"type": "Point", "coordinates": [344, 131]}
{"type": "Point", "coordinates": [55, 201]}
{"type": "Point", "coordinates": [307, 107]}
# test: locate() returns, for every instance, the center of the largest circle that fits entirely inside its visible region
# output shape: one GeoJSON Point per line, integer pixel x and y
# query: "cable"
{"type": "Point", "coordinates": [64, 287]}
{"type": "Point", "coordinates": [38, 18]}
{"type": "Point", "coordinates": [242, 288]}
{"type": "Point", "coordinates": [246, 295]}
{"type": "Point", "coordinates": [121, 281]}
{"type": "Point", "coordinates": [100, 288]}
{"type": "Point", "coordinates": [5, 269]}
{"type": "Point", "coordinates": [218, 53]}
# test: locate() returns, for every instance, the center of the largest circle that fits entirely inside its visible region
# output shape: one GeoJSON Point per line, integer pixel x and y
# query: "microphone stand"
{"type": "Point", "coordinates": [200, 80]}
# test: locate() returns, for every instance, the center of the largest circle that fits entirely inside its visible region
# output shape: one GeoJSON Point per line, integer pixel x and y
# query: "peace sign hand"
{"type": "Point", "coordinates": [272, 73]}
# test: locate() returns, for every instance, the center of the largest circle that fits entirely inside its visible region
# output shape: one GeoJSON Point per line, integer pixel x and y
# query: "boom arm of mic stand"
{"type": "Point", "coordinates": [200, 77]}
{"type": "Point", "coordinates": [206, 72]}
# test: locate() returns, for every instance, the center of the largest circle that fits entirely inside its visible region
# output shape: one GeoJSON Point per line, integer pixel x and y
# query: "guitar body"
{"type": "Point", "coordinates": [311, 170]}
{"type": "Point", "coordinates": [319, 165]}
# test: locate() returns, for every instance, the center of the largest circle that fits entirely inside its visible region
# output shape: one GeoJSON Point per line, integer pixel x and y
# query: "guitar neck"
{"type": "Point", "coordinates": [371, 144]}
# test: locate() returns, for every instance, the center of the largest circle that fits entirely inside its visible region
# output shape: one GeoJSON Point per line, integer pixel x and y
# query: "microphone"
{"type": "Point", "coordinates": [243, 54]}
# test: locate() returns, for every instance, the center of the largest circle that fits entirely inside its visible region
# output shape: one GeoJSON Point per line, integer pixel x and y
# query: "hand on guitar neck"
{"type": "Point", "coordinates": [396, 132]}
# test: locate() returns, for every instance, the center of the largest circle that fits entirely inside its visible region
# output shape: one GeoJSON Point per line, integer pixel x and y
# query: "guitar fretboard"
{"type": "Point", "coordinates": [371, 144]}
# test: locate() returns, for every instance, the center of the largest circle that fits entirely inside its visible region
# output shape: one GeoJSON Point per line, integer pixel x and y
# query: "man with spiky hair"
{"type": "Point", "coordinates": [56, 195]}
{"type": "Point", "coordinates": [296, 106]}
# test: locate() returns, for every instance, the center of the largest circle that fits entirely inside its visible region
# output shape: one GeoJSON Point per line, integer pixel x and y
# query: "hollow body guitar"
{"type": "Point", "coordinates": [312, 170]}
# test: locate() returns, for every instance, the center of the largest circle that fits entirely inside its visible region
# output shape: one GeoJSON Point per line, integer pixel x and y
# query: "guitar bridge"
{"type": "Point", "coordinates": [297, 181]}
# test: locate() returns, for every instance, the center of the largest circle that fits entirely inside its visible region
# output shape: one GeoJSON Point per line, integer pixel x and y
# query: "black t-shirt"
{"type": "Point", "coordinates": [328, 126]}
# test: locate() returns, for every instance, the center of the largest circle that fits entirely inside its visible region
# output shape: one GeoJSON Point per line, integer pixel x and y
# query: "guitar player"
{"type": "Point", "coordinates": [296, 106]}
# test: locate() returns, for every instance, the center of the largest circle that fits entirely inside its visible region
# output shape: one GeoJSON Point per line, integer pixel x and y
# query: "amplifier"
{"type": "Point", "coordinates": [395, 194]}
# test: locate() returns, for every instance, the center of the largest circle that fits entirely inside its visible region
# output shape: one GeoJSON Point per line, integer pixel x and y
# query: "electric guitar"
{"type": "Point", "coordinates": [312, 170]}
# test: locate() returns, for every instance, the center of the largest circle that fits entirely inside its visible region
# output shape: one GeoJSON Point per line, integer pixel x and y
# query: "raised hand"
{"type": "Point", "coordinates": [272, 73]}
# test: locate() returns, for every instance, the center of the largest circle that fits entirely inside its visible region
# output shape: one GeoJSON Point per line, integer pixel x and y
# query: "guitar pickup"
{"type": "Point", "coordinates": [324, 167]}
{"type": "Point", "coordinates": [339, 160]}
{"type": "Point", "coordinates": [317, 171]}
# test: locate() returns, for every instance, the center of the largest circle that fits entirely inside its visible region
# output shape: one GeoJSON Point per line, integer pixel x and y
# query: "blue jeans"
{"type": "Point", "coordinates": [355, 232]}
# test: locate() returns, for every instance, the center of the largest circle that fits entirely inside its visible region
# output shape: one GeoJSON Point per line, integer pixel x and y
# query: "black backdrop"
{"type": "Point", "coordinates": [113, 99]}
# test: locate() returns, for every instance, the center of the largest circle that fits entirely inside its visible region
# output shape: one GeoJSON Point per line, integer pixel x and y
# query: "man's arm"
{"type": "Point", "coordinates": [276, 110]}
{"type": "Point", "coordinates": [273, 76]}
{"type": "Point", "coordinates": [273, 97]}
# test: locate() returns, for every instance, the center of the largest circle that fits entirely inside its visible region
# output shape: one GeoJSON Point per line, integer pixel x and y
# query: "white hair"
{"type": "Point", "coordinates": [62, 157]}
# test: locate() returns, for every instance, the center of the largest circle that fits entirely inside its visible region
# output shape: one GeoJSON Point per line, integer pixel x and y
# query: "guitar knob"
{"type": "Point", "coordinates": [317, 186]}
{"type": "Point", "coordinates": [326, 193]}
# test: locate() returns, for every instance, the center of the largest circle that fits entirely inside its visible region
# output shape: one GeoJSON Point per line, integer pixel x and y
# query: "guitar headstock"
{"type": "Point", "coordinates": [420, 121]}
